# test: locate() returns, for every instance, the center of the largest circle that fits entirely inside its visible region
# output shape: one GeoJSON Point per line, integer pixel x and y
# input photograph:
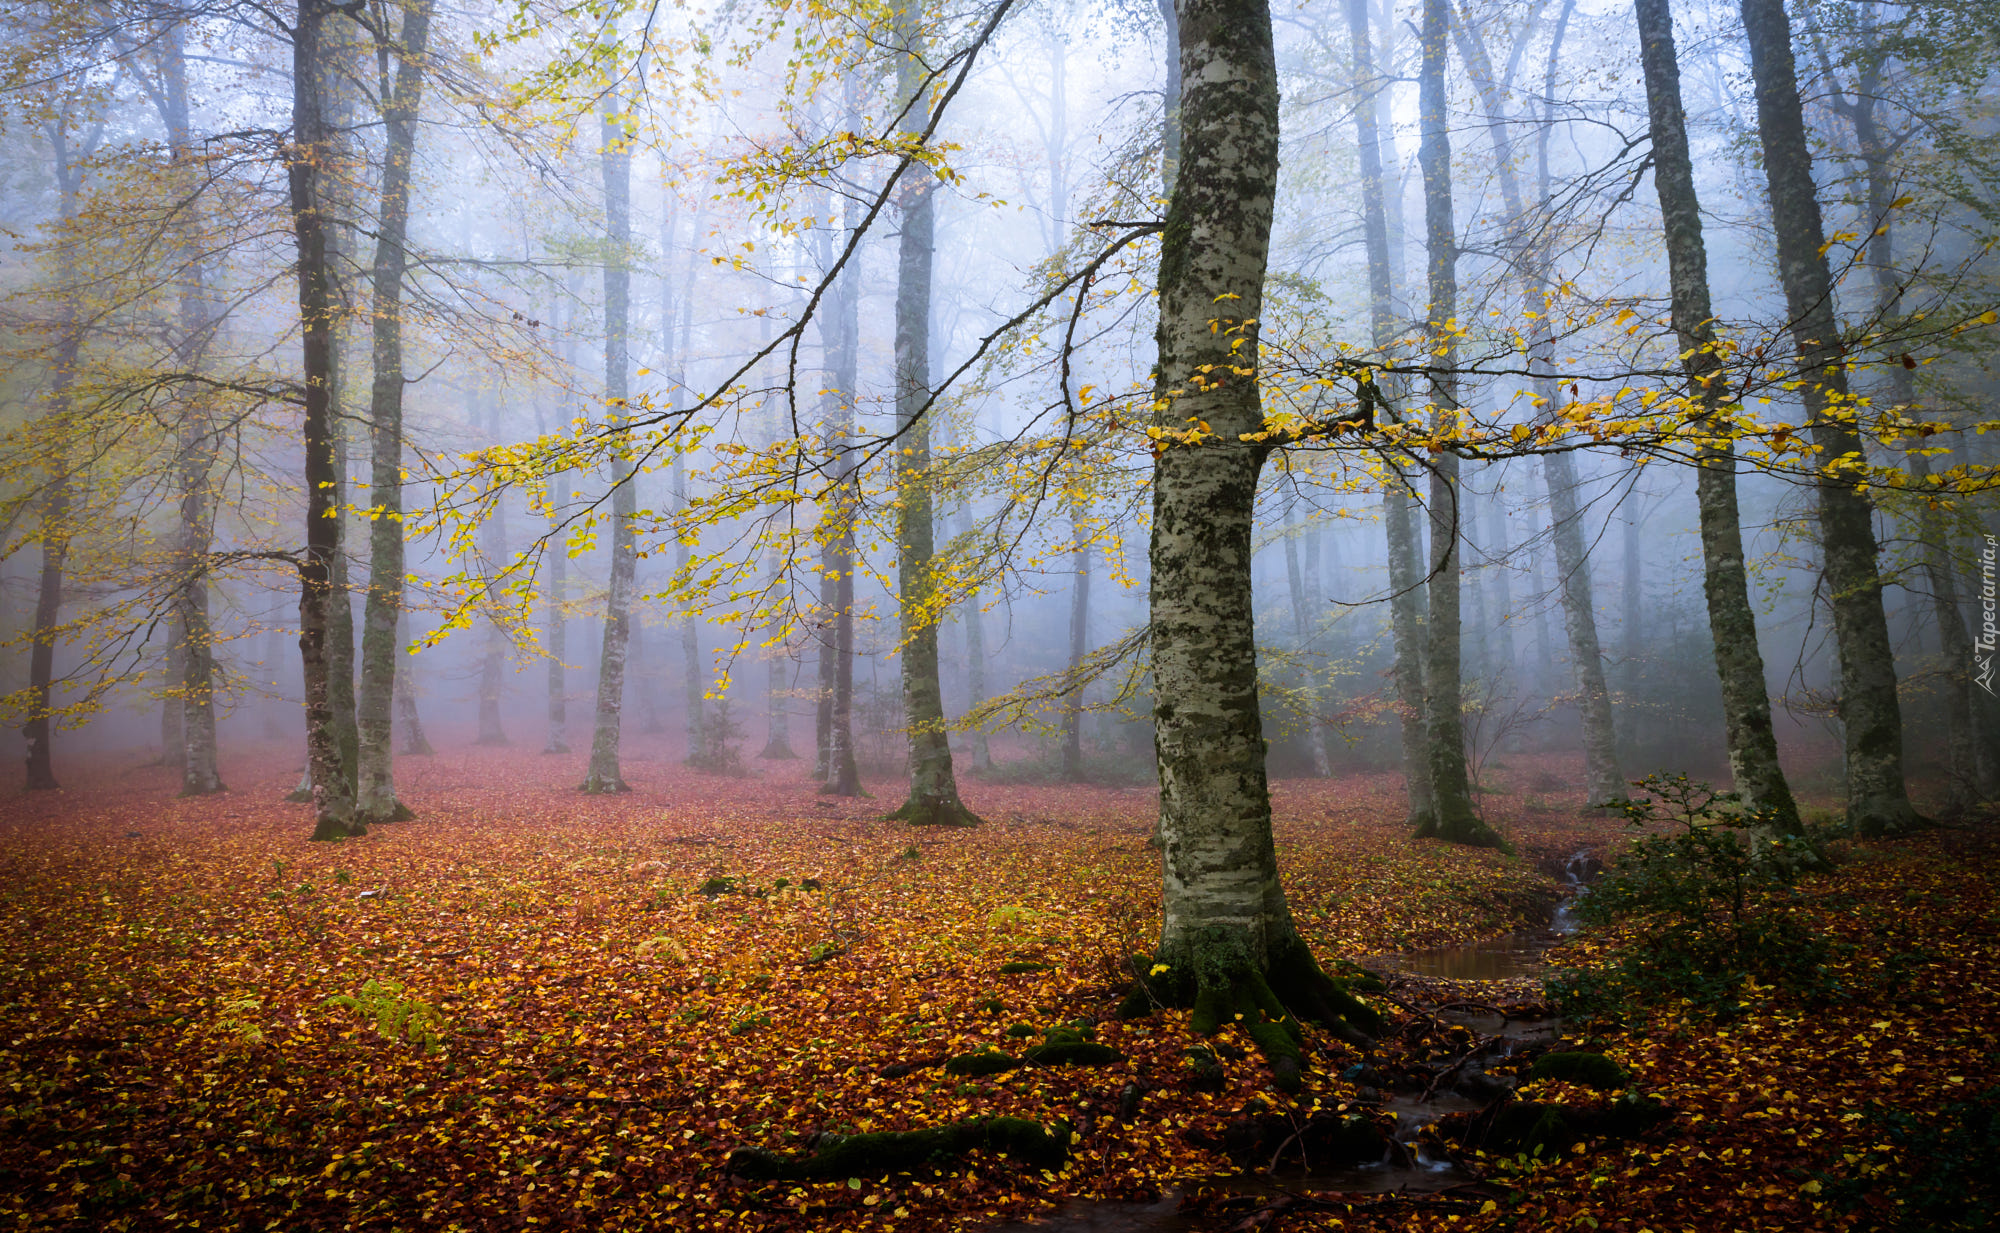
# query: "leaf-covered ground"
{"type": "Point", "coordinates": [594, 1000]}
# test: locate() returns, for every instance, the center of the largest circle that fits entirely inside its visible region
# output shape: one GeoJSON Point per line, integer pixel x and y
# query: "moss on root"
{"type": "Point", "coordinates": [896, 1151]}
{"type": "Point", "coordinates": [1215, 976]}
{"type": "Point", "coordinates": [1588, 1069]}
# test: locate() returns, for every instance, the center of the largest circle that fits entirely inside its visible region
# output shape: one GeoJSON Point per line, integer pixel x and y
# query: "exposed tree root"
{"type": "Point", "coordinates": [1217, 978]}
{"type": "Point", "coordinates": [895, 1151]}
{"type": "Point", "coordinates": [934, 811]}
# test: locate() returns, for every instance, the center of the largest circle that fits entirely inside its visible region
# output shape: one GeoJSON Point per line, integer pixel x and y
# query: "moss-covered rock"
{"type": "Point", "coordinates": [896, 1151]}
{"type": "Point", "coordinates": [1022, 965]}
{"type": "Point", "coordinates": [1073, 1053]}
{"type": "Point", "coordinates": [1021, 1030]}
{"type": "Point", "coordinates": [1588, 1069]}
{"type": "Point", "coordinates": [989, 1062]}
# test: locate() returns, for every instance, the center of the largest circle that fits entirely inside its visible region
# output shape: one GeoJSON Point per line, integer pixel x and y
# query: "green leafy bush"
{"type": "Point", "coordinates": [1710, 887]}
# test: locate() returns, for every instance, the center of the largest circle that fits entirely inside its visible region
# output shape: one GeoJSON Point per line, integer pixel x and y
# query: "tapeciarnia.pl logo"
{"type": "Point", "coordinates": [1989, 614]}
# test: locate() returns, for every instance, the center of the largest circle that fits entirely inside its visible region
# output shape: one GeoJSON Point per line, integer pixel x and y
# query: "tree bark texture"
{"type": "Point", "coordinates": [332, 791]}
{"type": "Point", "coordinates": [603, 774]}
{"type": "Point", "coordinates": [1228, 945]}
{"type": "Point", "coordinates": [1732, 622]}
{"type": "Point", "coordinates": [375, 784]}
{"type": "Point", "coordinates": [1878, 802]}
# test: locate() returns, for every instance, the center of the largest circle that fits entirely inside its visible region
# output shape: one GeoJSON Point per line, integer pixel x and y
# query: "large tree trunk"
{"type": "Point", "coordinates": [1877, 801]}
{"type": "Point", "coordinates": [1228, 945]}
{"type": "Point", "coordinates": [332, 790]}
{"type": "Point", "coordinates": [933, 799]}
{"type": "Point", "coordinates": [1453, 817]}
{"type": "Point", "coordinates": [375, 787]}
{"type": "Point", "coordinates": [1602, 779]}
{"type": "Point", "coordinates": [1732, 623]}
{"type": "Point", "coordinates": [603, 775]}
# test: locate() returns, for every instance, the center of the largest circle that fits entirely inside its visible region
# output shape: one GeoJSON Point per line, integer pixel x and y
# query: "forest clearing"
{"type": "Point", "coordinates": [608, 1007]}
{"type": "Point", "coordinates": [1081, 615]}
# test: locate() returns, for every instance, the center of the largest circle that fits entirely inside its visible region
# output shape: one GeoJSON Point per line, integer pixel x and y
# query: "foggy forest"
{"type": "Point", "coordinates": [1014, 614]}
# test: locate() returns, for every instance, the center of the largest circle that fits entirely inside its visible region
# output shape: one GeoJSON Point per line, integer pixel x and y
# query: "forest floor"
{"type": "Point", "coordinates": [565, 1011]}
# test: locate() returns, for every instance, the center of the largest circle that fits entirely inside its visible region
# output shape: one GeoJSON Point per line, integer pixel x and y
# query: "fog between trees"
{"type": "Point", "coordinates": [955, 392]}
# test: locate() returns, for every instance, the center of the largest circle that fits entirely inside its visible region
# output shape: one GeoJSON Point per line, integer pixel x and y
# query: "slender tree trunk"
{"type": "Point", "coordinates": [55, 504]}
{"type": "Point", "coordinates": [1632, 559]}
{"type": "Point", "coordinates": [332, 791]}
{"type": "Point", "coordinates": [777, 718]}
{"type": "Point", "coordinates": [188, 742]}
{"type": "Point", "coordinates": [1079, 645]}
{"type": "Point", "coordinates": [974, 618]}
{"type": "Point", "coordinates": [1228, 945]}
{"type": "Point", "coordinates": [414, 743]}
{"type": "Point", "coordinates": [933, 799]}
{"type": "Point", "coordinates": [1498, 570]}
{"type": "Point", "coordinates": [604, 774]}
{"type": "Point", "coordinates": [1965, 784]}
{"type": "Point", "coordinates": [1877, 801]}
{"type": "Point", "coordinates": [375, 793]}
{"type": "Point", "coordinates": [555, 626]}
{"type": "Point", "coordinates": [1406, 576]}
{"type": "Point", "coordinates": [1302, 624]}
{"type": "Point", "coordinates": [493, 656]}
{"type": "Point", "coordinates": [1453, 817]}
{"type": "Point", "coordinates": [1603, 781]}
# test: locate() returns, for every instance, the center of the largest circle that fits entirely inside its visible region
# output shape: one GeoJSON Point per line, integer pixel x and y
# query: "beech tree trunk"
{"type": "Point", "coordinates": [1878, 802]}
{"type": "Point", "coordinates": [375, 786]}
{"type": "Point", "coordinates": [332, 791]}
{"type": "Point", "coordinates": [1732, 622]}
{"type": "Point", "coordinates": [1453, 817]}
{"type": "Point", "coordinates": [1603, 781]}
{"type": "Point", "coordinates": [933, 799]}
{"type": "Point", "coordinates": [1969, 778]}
{"type": "Point", "coordinates": [1406, 576]}
{"type": "Point", "coordinates": [603, 775]}
{"type": "Point", "coordinates": [1228, 945]}
{"type": "Point", "coordinates": [55, 503]}
{"type": "Point", "coordinates": [840, 342]}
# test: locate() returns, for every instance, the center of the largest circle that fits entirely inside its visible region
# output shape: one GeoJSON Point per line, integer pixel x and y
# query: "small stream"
{"type": "Point", "coordinates": [1404, 1167]}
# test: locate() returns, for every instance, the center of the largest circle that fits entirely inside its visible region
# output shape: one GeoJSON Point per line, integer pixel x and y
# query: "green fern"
{"type": "Point", "coordinates": [396, 1017]}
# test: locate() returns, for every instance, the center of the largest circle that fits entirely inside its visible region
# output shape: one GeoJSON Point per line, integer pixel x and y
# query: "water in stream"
{"type": "Point", "coordinates": [1404, 1167]}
